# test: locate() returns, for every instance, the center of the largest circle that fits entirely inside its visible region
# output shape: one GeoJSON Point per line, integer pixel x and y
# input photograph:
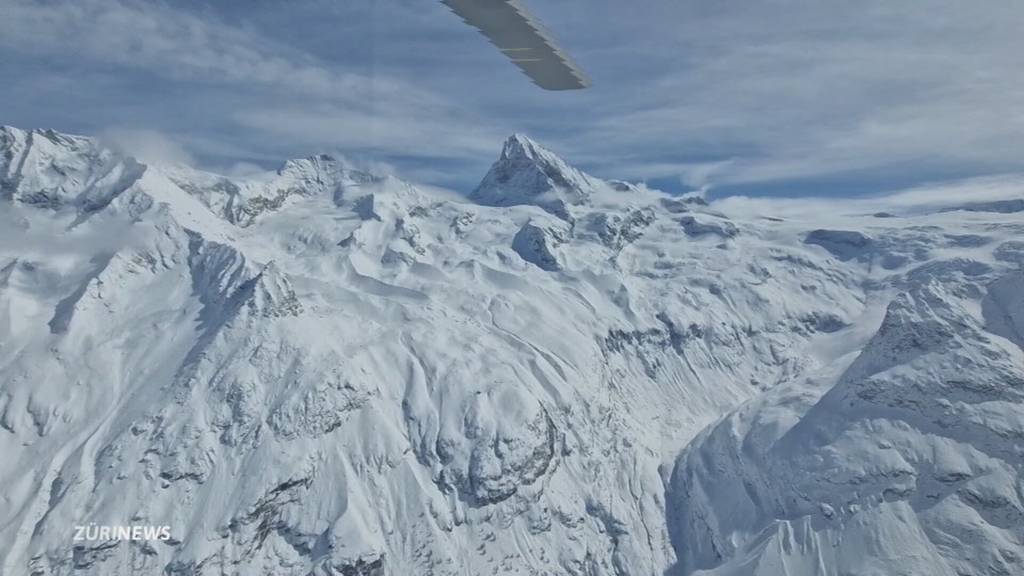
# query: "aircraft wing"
{"type": "Point", "coordinates": [510, 27]}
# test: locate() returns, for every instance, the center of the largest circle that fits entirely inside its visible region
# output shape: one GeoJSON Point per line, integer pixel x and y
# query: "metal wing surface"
{"type": "Point", "coordinates": [510, 27]}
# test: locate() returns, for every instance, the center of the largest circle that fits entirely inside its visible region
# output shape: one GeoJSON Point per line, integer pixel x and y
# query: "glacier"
{"type": "Point", "coordinates": [329, 370]}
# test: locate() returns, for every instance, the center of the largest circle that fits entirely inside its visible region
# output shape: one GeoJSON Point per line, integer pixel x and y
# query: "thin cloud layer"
{"type": "Point", "coordinates": [780, 95]}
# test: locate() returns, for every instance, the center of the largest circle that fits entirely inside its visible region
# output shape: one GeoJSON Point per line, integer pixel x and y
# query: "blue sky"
{"type": "Point", "coordinates": [775, 97]}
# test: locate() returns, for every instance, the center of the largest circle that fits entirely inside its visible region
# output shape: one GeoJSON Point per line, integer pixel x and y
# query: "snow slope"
{"type": "Point", "coordinates": [322, 370]}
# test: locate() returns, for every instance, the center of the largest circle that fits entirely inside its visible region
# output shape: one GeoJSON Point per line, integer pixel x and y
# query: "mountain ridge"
{"type": "Point", "coordinates": [358, 376]}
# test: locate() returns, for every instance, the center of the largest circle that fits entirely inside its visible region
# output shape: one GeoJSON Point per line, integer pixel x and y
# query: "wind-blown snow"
{"type": "Point", "coordinates": [328, 371]}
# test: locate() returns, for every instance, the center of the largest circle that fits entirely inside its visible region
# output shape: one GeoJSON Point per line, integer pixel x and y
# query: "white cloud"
{"type": "Point", "coordinates": [926, 198]}
{"type": "Point", "coordinates": [297, 97]}
{"type": "Point", "coordinates": [797, 88]}
{"type": "Point", "coordinates": [710, 93]}
{"type": "Point", "coordinates": [397, 132]}
{"type": "Point", "coordinates": [164, 40]}
{"type": "Point", "coordinates": [148, 146]}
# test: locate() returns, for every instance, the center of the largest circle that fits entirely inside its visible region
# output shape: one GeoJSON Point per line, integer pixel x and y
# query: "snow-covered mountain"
{"type": "Point", "coordinates": [323, 370]}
